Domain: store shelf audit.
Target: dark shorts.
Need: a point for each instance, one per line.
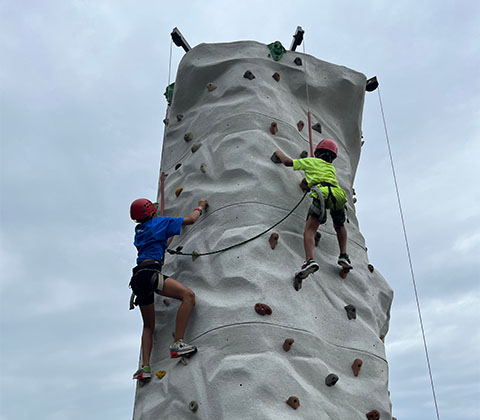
(147, 279)
(317, 209)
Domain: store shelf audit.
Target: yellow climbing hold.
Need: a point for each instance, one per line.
(178, 191)
(160, 374)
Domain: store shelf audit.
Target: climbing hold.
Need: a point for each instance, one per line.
(318, 235)
(273, 128)
(178, 191)
(351, 312)
(300, 125)
(373, 415)
(354, 192)
(293, 402)
(169, 93)
(273, 240)
(179, 117)
(357, 364)
(203, 168)
(298, 61)
(382, 337)
(195, 255)
(184, 361)
(287, 344)
(362, 143)
(165, 121)
(178, 248)
(193, 405)
(188, 137)
(276, 76)
(317, 127)
(195, 147)
(211, 86)
(372, 84)
(262, 309)
(177, 166)
(304, 185)
(166, 302)
(354, 200)
(160, 374)
(331, 379)
(249, 75)
(304, 154)
(370, 268)
(277, 50)
(275, 159)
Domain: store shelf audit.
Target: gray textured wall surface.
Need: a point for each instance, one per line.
(241, 370)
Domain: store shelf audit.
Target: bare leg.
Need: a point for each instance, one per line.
(342, 238)
(148, 316)
(174, 289)
(311, 227)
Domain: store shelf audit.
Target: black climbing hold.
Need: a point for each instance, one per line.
(179, 117)
(304, 154)
(372, 84)
(354, 200)
(188, 137)
(298, 61)
(276, 76)
(318, 235)
(177, 166)
(178, 248)
(371, 268)
(331, 379)
(351, 312)
(193, 405)
(317, 127)
(249, 75)
(165, 121)
(275, 159)
(166, 302)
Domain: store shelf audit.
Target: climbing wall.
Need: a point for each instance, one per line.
(219, 140)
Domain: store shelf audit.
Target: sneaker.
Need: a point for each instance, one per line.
(142, 374)
(308, 268)
(180, 348)
(344, 261)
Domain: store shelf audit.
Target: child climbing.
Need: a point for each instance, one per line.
(321, 178)
(152, 235)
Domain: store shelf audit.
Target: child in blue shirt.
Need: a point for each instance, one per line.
(152, 236)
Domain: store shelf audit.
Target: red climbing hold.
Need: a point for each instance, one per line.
(287, 344)
(273, 128)
(293, 402)
(357, 364)
(262, 309)
(273, 240)
(373, 415)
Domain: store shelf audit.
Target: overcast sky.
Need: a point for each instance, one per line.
(81, 113)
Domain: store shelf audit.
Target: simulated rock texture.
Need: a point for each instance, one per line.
(241, 370)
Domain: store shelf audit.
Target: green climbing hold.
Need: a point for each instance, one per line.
(169, 93)
(277, 50)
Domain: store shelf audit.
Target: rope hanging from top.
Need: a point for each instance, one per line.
(309, 115)
(409, 255)
(198, 254)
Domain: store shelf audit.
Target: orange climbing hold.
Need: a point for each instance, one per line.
(160, 374)
(273, 240)
(178, 191)
(293, 402)
(273, 128)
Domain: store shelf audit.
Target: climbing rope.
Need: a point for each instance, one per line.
(309, 115)
(409, 256)
(198, 254)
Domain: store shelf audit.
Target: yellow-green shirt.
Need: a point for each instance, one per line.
(317, 171)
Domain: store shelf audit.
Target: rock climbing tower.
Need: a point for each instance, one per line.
(266, 351)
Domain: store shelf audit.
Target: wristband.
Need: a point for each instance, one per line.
(198, 209)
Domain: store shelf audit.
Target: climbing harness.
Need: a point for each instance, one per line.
(198, 254)
(408, 253)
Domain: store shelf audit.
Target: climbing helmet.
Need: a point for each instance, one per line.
(141, 208)
(327, 144)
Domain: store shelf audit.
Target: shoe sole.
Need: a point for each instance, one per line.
(305, 273)
(345, 265)
(185, 353)
(142, 378)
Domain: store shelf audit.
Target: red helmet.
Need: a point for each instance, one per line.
(327, 144)
(141, 209)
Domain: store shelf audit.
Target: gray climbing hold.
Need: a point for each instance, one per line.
(298, 61)
(179, 117)
(304, 154)
(211, 86)
(249, 75)
(203, 168)
(317, 127)
(275, 159)
(276, 76)
(351, 312)
(166, 302)
(195, 147)
(371, 268)
(177, 166)
(188, 137)
(331, 379)
(195, 255)
(193, 406)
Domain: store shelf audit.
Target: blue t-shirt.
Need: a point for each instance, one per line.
(151, 237)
